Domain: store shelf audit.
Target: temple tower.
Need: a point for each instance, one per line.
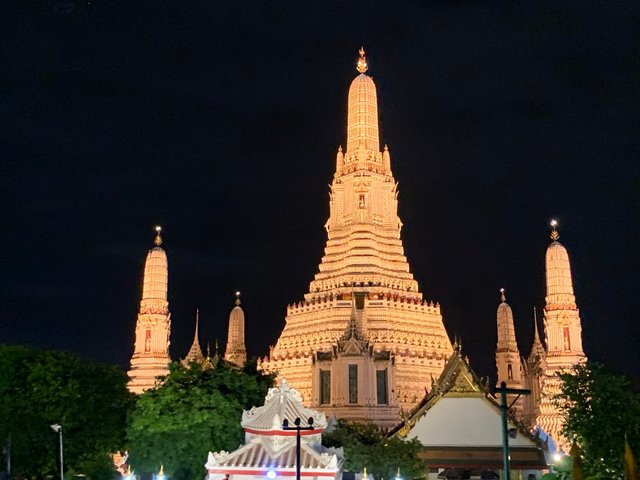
(151, 352)
(507, 353)
(236, 352)
(364, 259)
(563, 335)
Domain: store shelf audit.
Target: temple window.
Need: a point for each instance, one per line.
(147, 341)
(382, 387)
(325, 387)
(353, 383)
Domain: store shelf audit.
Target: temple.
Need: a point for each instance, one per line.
(150, 358)
(363, 342)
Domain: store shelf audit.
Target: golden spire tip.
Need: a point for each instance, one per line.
(238, 297)
(158, 240)
(502, 295)
(362, 61)
(554, 230)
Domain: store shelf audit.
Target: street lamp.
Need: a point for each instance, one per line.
(503, 391)
(297, 428)
(56, 427)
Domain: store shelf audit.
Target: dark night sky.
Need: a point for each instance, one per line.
(220, 121)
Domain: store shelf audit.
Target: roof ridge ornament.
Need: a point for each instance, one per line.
(554, 231)
(158, 239)
(362, 61)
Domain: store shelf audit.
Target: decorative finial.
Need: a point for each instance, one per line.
(362, 61)
(502, 296)
(238, 297)
(554, 232)
(158, 240)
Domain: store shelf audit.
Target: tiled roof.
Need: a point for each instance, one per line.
(282, 402)
(259, 454)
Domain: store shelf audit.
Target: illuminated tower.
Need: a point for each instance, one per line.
(563, 335)
(363, 258)
(151, 352)
(195, 352)
(236, 352)
(507, 353)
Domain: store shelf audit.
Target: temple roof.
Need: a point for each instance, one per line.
(281, 402)
(459, 411)
(262, 456)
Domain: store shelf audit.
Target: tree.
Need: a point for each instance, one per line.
(39, 388)
(193, 411)
(601, 410)
(366, 445)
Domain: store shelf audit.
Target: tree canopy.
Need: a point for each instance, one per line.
(601, 410)
(193, 411)
(366, 445)
(89, 400)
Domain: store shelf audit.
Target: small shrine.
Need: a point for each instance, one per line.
(270, 449)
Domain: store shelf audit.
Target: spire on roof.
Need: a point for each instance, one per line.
(554, 231)
(503, 299)
(537, 349)
(158, 239)
(362, 61)
(195, 352)
(238, 297)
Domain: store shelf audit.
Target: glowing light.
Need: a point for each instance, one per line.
(554, 222)
(556, 457)
(158, 228)
(271, 474)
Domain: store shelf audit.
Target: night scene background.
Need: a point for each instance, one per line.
(220, 121)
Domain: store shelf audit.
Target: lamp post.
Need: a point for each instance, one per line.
(56, 427)
(297, 428)
(503, 390)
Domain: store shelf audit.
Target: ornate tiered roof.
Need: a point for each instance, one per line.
(269, 447)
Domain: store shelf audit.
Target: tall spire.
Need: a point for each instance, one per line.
(508, 361)
(563, 335)
(364, 257)
(362, 117)
(195, 352)
(537, 349)
(236, 351)
(507, 354)
(151, 352)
